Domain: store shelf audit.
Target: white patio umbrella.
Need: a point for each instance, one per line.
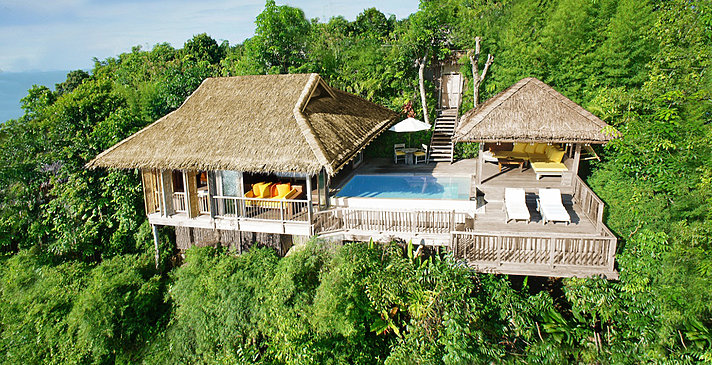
(409, 125)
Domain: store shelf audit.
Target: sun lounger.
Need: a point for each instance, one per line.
(551, 206)
(548, 169)
(515, 205)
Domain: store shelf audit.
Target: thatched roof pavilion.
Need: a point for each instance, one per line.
(260, 124)
(531, 111)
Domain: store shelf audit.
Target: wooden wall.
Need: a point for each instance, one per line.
(237, 241)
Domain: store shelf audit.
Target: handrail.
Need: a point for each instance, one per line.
(387, 220)
(237, 207)
(590, 203)
(534, 249)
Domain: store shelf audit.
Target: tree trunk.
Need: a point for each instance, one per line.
(476, 78)
(421, 84)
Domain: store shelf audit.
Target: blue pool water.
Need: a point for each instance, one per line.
(407, 187)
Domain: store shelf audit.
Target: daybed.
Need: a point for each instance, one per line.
(544, 159)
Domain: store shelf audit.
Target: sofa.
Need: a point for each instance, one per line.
(544, 159)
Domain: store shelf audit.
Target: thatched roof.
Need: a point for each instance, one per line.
(531, 111)
(264, 123)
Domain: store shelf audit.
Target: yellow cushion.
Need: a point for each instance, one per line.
(550, 150)
(540, 148)
(256, 188)
(419, 153)
(511, 154)
(400, 153)
(519, 147)
(556, 156)
(530, 148)
(283, 189)
(548, 167)
(263, 190)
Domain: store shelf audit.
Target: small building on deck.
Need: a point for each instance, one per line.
(531, 137)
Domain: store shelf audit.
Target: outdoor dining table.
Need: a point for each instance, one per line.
(409, 155)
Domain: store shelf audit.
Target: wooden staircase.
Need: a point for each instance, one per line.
(441, 146)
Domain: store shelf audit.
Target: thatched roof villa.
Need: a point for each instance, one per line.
(249, 159)
(260, 124)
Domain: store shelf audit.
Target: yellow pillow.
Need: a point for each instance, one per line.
(540, 148)
(283, 189)
(550, 150)
(263, 190)
(519, 147)
(256, 188)
(556, 156)
(530, 148)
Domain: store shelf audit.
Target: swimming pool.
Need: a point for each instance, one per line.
(407, 187)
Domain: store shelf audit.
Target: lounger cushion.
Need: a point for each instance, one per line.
(551, 207)
(531, 148)
(515, 203)
(548, 167)
(540, 149)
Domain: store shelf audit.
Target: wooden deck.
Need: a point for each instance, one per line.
(485, 240)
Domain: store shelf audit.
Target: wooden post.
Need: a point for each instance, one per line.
(611, 253)
(166, 185)
(310, 208)
(148, 179)
(577, 158)
(239, 205)
(155, 242)
(599, 217)
(480, 162)
(212, 191)
(552, 241)
(191, 193)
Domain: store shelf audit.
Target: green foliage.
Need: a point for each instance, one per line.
(218, 305)
(75, 313)
(77, 286)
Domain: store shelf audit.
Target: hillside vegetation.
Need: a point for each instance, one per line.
(77, 277)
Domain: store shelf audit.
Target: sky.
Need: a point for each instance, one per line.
(66, 34)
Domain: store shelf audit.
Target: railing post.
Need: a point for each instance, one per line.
(611, 253)
(452, 220)
(498, 249)
(552, 241)
(212, 191)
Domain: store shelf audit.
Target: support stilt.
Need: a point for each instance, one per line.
(155, 242)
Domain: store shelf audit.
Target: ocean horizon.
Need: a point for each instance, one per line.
(14, 86)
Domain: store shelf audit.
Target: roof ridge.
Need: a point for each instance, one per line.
(497, 100)
(305, 126)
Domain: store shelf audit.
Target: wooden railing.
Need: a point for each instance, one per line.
(534, 249)
(203, 204)
(179, 202)
(590, 203)
(387, 221)
(263, 209)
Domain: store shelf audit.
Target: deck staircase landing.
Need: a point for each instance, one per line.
(441, 146)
